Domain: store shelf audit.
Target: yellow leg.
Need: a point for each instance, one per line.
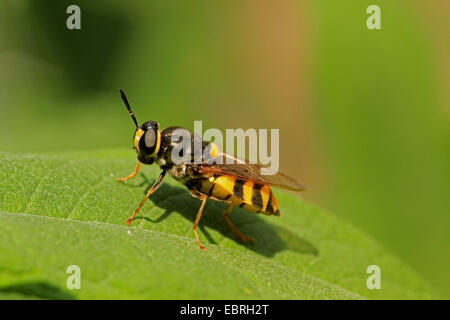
(197, 219)
(150, 191)
(235, 230)
(136, 170)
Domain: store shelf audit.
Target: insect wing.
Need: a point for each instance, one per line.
(253, 172)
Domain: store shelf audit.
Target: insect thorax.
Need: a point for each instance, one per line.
(181, 171)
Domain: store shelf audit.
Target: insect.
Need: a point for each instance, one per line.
(236, 184)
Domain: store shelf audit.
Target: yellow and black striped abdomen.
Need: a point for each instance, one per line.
(252, 197)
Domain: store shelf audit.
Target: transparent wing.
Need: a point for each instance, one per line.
(253, 172)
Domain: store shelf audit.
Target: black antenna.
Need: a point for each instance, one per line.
(125, 100)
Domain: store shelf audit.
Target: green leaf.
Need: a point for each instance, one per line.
(68, 209)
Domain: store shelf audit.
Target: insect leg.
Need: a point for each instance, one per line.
(235, 230)
(136, 170)
(197, 219)
(150, 191)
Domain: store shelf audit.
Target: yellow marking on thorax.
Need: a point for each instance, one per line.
(214, 150)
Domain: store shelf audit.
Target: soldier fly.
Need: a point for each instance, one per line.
(236, 184)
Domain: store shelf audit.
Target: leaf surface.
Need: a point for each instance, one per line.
(68, 209)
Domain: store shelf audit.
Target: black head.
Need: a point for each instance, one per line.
(147, 137)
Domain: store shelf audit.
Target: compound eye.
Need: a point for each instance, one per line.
(150, 139)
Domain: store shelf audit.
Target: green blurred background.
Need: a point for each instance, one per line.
(363, 114)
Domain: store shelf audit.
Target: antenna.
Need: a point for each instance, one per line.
(125, 100)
